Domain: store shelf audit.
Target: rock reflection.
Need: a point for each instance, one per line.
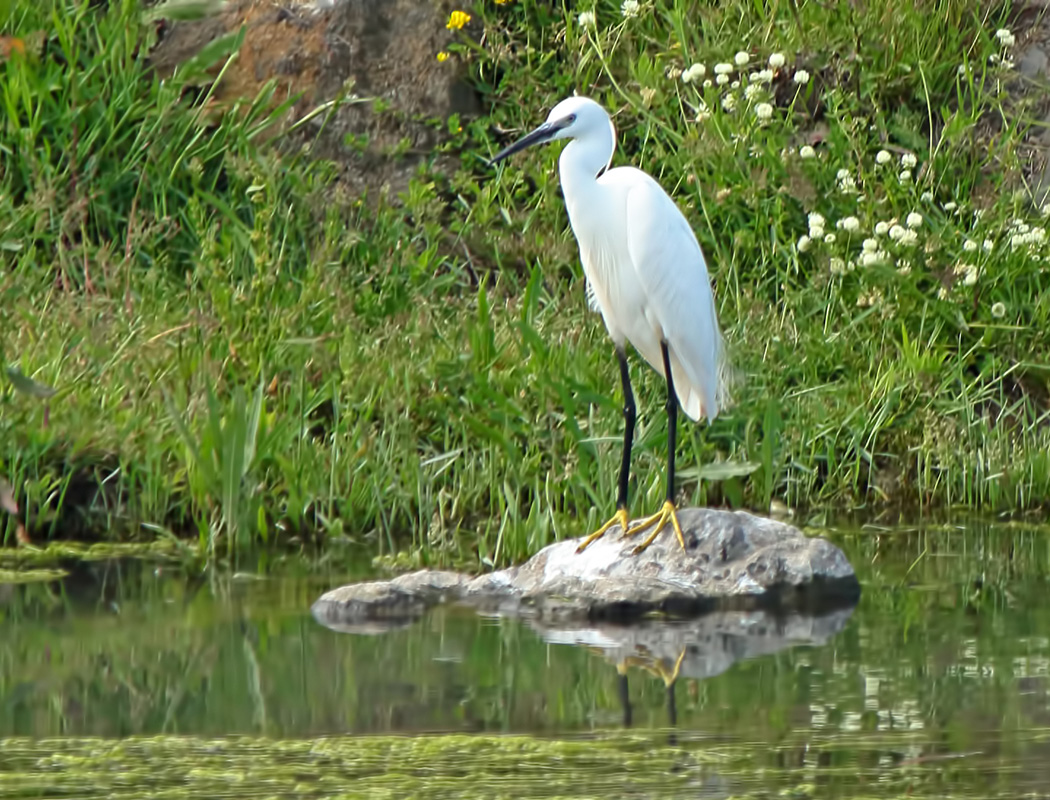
(698, 648)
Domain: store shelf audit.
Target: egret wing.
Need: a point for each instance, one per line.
(672, 271)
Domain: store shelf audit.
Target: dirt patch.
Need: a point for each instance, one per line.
(1030, 94)
(384, 53)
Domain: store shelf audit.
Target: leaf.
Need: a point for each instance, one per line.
(184, 10)
(27, 385)
(7, 497)
(721, 470)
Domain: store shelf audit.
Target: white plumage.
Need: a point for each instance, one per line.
(645, 273)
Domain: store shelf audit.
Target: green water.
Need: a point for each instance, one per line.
(131, 681)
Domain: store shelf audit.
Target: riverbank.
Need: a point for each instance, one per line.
(222, 344)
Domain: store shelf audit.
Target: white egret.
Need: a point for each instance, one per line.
(647, 276)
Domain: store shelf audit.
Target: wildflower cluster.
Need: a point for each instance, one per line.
(457, 20)
(735, 84)
(952, 262)
(1006, 41)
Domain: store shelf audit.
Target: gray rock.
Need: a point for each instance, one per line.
(381, 606)
(1033, 62)
(733, 560)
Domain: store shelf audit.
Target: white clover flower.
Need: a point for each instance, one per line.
(815, 220)
(961, 70)
(869, 258)
(1045, 210)
(969, 245)
(837, 266)
(762, 76)
(998, 309)
(903, 267)
(807, 152)
(723, 68)
(846, 182)
(829, 238)
(872, 298)
(1005, 37)
(702, 112)
(777, 60)
(969, 273)
(801, 77)
(909, 161)
(630, 8)
(882, 228)
(926, 197)
(586, 19)
(942, 293)
(913, 220)
(734, 85)
(673, 73)
(721, 79)
(804, 243)
(951, 205)
(741, 59)
(905, 176)
(729, 102)
(909, 238)
(1008, 63)
(870, 245)
(695, 73)
(848, 224)
(763, 111)
(897, 232)
(883, 157)
(708, 84)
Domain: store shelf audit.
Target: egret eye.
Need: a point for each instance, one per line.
(571, 118)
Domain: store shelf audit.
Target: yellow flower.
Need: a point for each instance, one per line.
(502, 2)
(457, 19)
(443, 56)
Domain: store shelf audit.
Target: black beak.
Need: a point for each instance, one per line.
(538, 136)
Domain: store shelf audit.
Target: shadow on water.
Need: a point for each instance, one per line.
(936, 685)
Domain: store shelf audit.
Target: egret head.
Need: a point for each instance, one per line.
(572, 118)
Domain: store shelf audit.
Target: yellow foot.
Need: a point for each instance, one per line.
(654, 666)
(670, 678)
(619, 518)
(661, 518)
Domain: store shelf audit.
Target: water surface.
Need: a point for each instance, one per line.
(935, 685)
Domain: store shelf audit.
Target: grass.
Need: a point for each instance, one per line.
(205, 336)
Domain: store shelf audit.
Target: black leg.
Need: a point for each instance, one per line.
(672, 707)
(621, 517)
(667, 513)
(629, 415)
(625, 701)
(672, 422)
